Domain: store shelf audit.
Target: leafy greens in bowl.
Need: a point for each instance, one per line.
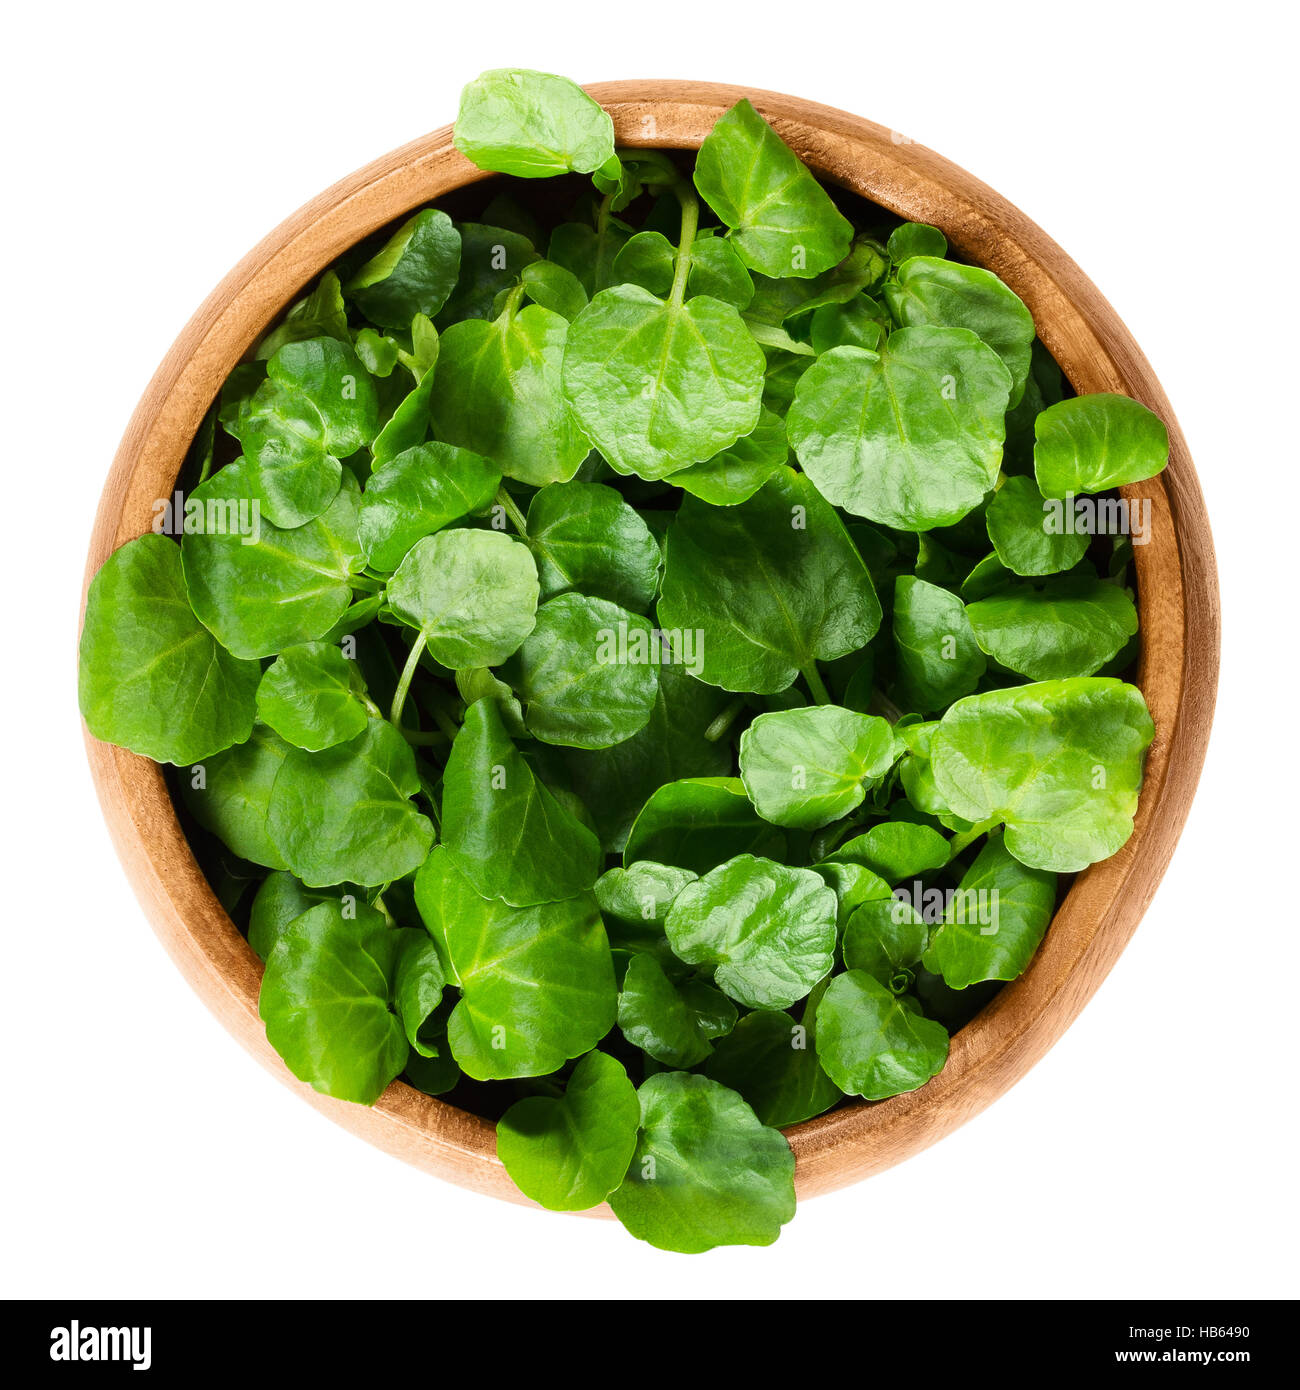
(660, 680)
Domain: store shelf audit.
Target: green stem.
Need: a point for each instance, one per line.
(724, 721)
(882, 705)
(444, 721)
(507, 505)
(367, 584)
(404, 681)
(513, 300)
(690, 223)
(815, 683)
(420, 739)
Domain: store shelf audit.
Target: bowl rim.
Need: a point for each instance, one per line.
(1177, 599)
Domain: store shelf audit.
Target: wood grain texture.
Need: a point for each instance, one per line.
(1177, 597)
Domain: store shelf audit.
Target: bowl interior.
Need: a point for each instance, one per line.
(1175, 581)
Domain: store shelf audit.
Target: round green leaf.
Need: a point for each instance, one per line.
(537, 983)
(1019, 527)
(994, 922)
(289, 468)
(939, 660)
(657, 385)
(738, 472)
(325, 1002)
(705, 1171)
(472, 594)
(931, 292)
(311, 696)
(1091, 443)
(773, 584)
(674, 1025)
(885, 938)
(258, 596)
(504, 829)
(782, 221)
(698, 823)
(329, 374)
(916, 239)
(413, 273)
(532, 125)
(910, 436)
(586, 674)
(767, 929)
(498, 393)
(874, 1043)
(1069, 625)
(571, 1153)
(804, 768)
(151, 676)
(584, 536)
(418, 492)
(345, 814)
(896, 850)
(1059, 762)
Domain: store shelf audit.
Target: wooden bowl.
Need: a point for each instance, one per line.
(1177, 598)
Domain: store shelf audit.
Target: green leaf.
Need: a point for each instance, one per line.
(858, 322)
(498, 393)
(258, 596)
(586, 673)
(782, 221)
(329, 375)
(771, 1061)
(804, 768)
(555, 288)
(289, 468)
(472, 595)
(230, 794)
(408, 424)
(705, 1171)
(698, 823)
(885, 938)
(896, 850)
(414, 272)
(532, 125)
(768, 930)
(1091, 443)
(910, 436)
(345, 814)
(657, 385)
(311, 695)
(584, 536)
(280, 900)
(738, 472)
(638, 897)
(1070, 625)
(874, 1043)
(320, 314)
(929, 292)
(588, 253)
(774, 584)
(571, 1153)
(151, 676)
(417, 990)
(648, 259)
(673, 1024)
(938, 659)
(325, 1002)
(504, 830)
(1018, 524)
(419, 492)
(853, 884)
(1059, 762)
(537, 983)
(916, 239)
(994, 922)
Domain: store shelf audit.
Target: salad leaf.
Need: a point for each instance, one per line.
(536, 983)
(413, 273)
(532, 125)
(571, 1152)
(875, 1043)
(771, 1062)
(311, 695)
(767, 930)
(152, 677)
(1091, 443)
(705, 1171)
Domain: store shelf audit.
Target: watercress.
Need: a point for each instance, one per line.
(625, 668)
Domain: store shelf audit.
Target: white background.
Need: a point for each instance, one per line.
(1152, 1153)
